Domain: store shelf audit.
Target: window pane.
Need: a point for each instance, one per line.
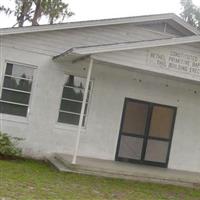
(161, 122)
(69, 118)
(73, 93)
(18, 84)
(19, 71)
(156, 151)
(13, 109)
(75, 82)
(71, 106)
(135, 118)
(130, 147)
(17, 97)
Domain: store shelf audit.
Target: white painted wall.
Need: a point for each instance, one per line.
(44, 135)
(111, 85)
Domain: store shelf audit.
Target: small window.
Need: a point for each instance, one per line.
(16, 90)
(72, 98)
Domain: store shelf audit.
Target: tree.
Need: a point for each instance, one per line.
(22, 11)
(190, 13)
(56, 9)
(33, 10)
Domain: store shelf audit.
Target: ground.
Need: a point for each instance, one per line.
(33, 180)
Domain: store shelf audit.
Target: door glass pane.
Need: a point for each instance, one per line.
(130, 147)
(161, 122)
(156, 151)
(135, 118)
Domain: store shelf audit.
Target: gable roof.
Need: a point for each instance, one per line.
(170, 18)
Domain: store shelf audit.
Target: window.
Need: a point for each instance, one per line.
(16, 90)
(72, 98)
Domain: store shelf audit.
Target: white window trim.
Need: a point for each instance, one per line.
(10, 76)
(21, 64)
(2, 76)
(17, 118)
(67, 86)
(66, 126)
(69, 112)
(73, 100)
(14, 90)
(14, 103)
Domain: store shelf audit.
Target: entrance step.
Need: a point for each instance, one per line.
(113, 169)
(57, 164)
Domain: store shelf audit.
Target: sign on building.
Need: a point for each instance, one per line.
(175, 60)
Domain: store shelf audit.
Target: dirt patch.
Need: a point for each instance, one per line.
(8, 157)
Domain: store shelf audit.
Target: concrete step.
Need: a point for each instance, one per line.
(57, 164)
(114, 169)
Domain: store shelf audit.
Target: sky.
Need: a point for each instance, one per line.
(101, 9)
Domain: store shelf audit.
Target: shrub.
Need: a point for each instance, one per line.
(8, 145)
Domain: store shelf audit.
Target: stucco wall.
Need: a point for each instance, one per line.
(44, 135)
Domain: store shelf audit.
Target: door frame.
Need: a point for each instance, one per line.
(146, 134)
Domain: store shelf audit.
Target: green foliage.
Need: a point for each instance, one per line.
(190, 13)
(8, 145)
(56, 9)
(32, 11)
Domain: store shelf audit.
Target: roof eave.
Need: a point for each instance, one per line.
(104, 22)
(90, 50)
(185, 25)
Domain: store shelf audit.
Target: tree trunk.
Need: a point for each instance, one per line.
(51, 21)
(37, 13)
(21, 18)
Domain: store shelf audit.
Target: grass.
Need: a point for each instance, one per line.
(32, 180)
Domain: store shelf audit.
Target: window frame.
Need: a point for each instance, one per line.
(67, 125)
(12, 117)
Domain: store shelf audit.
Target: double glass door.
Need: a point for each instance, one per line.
(146, 133)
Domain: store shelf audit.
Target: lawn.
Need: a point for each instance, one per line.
(28, 180)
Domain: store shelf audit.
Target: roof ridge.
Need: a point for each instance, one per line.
(100, 22)
(92, 20)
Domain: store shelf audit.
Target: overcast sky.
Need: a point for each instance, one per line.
(100, 9)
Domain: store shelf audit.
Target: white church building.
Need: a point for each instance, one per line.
(125, 89)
